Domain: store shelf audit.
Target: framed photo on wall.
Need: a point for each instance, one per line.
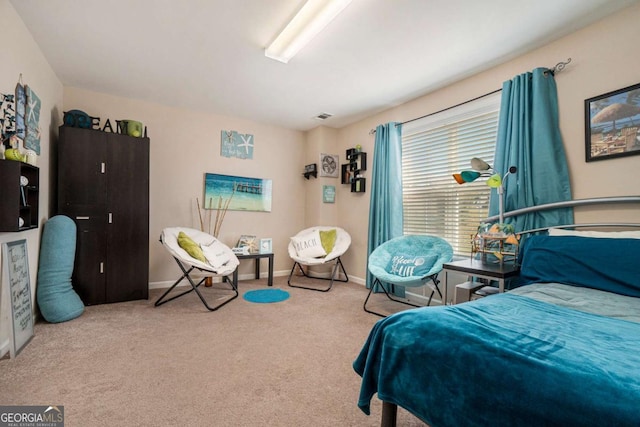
(612, 124)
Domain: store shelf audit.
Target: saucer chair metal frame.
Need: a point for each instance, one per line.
(188, 264)
(343, 241)
(410, 246)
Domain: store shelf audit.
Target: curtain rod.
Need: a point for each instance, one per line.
(556, 69)
(372, 131)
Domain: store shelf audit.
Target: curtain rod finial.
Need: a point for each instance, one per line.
(559, 66)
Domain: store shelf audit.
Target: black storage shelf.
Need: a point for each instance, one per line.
(352, 171)
(18, 201)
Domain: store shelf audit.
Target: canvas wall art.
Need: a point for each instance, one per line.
(247, 194)
(32, 120)
(7, 115)
(21, 108)
(328, 193)
(234, 144)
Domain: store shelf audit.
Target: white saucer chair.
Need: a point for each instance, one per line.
(220, 261)
(306, 249)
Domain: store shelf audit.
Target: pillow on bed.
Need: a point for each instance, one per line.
(405, 266)
(589, 233)
(309, 245)
(190, 246)
(605, 264)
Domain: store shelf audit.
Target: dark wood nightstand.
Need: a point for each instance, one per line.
(483, 269)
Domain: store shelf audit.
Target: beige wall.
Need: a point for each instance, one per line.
(184, 146)
(20, 55)
(321, 140)
(604, 58)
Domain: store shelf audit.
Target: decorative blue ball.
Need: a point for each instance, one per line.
(77, 119)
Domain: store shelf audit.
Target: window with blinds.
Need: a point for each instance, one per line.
(434, 148)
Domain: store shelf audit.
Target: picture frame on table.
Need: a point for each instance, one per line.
(266, 246)
(612, 124)
(249, 243)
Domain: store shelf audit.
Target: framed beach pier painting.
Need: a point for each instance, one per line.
(237, 193)
(613, 124)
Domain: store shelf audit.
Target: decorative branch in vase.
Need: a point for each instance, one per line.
(221, 212)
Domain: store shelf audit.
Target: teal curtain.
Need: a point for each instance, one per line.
(529, 139)
(385, 206)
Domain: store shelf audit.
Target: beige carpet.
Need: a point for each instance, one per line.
(133, 364)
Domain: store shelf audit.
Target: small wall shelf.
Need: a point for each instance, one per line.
(352, 171)
(311, 170)
(19, 201)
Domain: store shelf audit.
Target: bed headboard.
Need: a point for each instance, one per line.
(575, 203)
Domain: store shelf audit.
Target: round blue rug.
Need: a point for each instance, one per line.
(265, 296)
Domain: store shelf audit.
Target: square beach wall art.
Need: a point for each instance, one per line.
(234, 144)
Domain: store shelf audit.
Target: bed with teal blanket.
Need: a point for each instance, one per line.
(562, 350)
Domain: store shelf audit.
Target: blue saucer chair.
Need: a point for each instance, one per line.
(409, 261)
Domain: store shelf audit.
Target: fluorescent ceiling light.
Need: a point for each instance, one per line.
(309, 21)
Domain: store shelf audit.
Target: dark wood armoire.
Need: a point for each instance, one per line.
(103, 185)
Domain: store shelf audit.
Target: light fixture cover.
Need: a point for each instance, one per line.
(479, 164)
(469, 176)
(312, 18)
(494, 181)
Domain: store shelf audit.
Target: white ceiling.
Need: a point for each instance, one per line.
(208, 54)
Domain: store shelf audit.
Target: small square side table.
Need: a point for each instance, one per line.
(257, 257)
(478, 268)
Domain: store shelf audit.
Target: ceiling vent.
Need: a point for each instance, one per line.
(323, 116)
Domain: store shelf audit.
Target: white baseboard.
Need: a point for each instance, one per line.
(358, 280)
(248, 276)
(4, 349)
(409, 296)
(418, 299)
(421, 299)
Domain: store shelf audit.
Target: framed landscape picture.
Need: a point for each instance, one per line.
(246, 194)
(612, 124)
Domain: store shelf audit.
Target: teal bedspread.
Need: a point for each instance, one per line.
(506, 360)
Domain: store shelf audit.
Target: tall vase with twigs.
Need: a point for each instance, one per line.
(221, 212)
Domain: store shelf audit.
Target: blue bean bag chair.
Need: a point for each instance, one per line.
(56, 298)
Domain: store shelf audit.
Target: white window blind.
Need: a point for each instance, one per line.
(434, 148)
